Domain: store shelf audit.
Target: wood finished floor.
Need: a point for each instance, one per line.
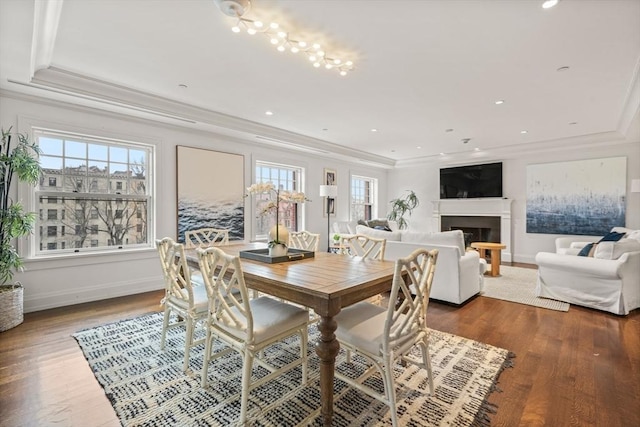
(580, 368)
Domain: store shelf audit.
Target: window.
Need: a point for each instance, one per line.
(84, 176)
(363, 197)
(283, 177)
(52, 231)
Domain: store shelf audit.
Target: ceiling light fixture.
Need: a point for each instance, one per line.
(269, 113)
(282, 39)
(548, 4)
(499, 102)
(523, 132)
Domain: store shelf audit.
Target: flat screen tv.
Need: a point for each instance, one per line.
(471, 181)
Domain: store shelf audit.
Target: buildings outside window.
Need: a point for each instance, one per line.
(364, 194)
(283, 177)
(69, 162)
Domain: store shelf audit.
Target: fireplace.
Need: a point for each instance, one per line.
(482, 220)
(475, 228)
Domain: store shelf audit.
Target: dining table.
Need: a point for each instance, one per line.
(325, 282)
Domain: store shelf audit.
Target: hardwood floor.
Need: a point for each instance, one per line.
(580, 368)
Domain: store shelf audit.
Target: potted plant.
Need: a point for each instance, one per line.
(278, 235)
(401, 206)
(20, 162)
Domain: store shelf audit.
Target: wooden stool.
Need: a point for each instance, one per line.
(495, 250)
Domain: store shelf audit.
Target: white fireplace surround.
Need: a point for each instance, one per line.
(478, 207)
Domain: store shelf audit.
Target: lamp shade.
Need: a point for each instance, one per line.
(635, 185)
(328, 191)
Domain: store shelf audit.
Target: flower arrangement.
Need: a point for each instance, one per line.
(273, 204)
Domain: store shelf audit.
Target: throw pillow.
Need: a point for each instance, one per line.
(375, 223)
(614, 250)
(588, 250)
(612, 236)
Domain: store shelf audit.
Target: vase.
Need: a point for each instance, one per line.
(283, 234)
(277, 250)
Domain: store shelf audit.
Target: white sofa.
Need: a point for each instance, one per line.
(609, 280)
(459, 273)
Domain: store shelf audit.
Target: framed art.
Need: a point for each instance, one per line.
(583, 197)
(210, 187)
(330, 178)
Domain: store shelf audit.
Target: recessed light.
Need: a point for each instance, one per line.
(418, 147)
(548, 4)
(325, 129)
(563, 68)
(465, 140)
(393, 151)
(269, 113)
(573, 123)
(442, 154)
(500, 102)
(183, 86)
(448, 130)
(476, 149)
(374, 130)
(523, 132)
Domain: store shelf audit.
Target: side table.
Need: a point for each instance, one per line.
(496, 252)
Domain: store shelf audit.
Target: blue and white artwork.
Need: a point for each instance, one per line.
(210, 191)
(583, 197)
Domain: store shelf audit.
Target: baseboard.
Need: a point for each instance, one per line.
(45, 301)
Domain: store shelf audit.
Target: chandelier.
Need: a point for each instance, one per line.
(282, 39)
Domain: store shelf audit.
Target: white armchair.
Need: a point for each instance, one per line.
(609, 280)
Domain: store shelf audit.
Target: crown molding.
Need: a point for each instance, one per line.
(101, 94)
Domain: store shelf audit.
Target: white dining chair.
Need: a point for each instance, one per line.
(246, 325)
(366, 247)
(205, 237)
(304, 240)
(385, 336)
(187, 302)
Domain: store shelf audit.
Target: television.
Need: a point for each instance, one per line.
(472, 181)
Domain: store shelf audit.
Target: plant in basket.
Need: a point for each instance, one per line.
(19, 161)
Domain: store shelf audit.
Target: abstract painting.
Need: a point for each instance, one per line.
(210, 191)
(582, 197)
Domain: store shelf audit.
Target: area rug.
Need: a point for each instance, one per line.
(518, 285)
(147, 387)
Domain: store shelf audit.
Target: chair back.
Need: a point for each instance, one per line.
(412, 281)
(364, 246)
(227, 291)
(177, 278)
(304, 240)
(205, 237)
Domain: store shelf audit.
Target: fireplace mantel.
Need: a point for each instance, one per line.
(478, 207)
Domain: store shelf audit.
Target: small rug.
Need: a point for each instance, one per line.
(147, 387)
(518, 285)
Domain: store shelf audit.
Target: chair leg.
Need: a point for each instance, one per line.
(425, 349)
(187, 343)
(205, 359)
(303, 354)
(348, 356)
(390, 389)
(247, 364)
(165, 326)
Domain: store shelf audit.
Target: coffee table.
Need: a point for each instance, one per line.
(495, 250)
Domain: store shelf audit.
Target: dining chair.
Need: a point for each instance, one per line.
(188, 302)
(246, 325)
(205, 237)
(385, 336)
(304, 240)
(366, 247)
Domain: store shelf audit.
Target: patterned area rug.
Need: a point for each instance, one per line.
(518, 285)
(147, 387)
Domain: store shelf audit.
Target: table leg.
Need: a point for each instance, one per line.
(327, 348)
(495, 262)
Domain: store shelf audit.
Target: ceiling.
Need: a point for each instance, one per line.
(427, 73)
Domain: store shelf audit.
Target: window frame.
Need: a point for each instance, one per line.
(35, 244)
(372, 196)
(299, 207)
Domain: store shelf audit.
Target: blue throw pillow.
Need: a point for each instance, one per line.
(612, 237)
(585, 250)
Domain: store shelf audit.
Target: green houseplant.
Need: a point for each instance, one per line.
(20, 162)
(402, 206)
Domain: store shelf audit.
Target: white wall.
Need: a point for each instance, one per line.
(80, 278)
(424, 180)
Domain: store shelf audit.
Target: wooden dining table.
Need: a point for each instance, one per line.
(326, 283)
